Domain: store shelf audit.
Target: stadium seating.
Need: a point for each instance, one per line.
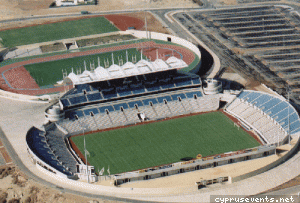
(132, 104)
(93, 110)
(57, 144)
(78, 100)
(271, 116)
(124, 112)
(38, 143)
(130, 86)
(94, 97)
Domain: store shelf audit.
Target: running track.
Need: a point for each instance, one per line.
(22, 83)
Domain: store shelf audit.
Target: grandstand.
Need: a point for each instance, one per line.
(273, 118)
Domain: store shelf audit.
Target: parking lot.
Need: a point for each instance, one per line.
(258, 41)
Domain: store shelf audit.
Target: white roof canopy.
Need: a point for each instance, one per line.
(128, 69)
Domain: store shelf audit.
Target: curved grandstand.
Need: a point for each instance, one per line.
(273, 118)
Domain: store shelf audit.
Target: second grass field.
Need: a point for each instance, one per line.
(164, 142)
(56, 31)
(48, 73)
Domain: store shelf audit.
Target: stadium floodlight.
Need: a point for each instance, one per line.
(289, 136)
(85, 156)
(112, 58)
(141, 53)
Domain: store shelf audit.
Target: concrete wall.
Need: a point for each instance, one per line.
(25, 98)
(196, 165)
(270, 166)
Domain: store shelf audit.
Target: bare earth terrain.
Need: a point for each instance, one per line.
(24, 8)
(15, 187)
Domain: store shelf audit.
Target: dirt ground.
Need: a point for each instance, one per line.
(24, 8)
(15, 187)
(152, 23)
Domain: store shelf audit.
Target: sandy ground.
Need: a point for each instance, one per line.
(22, 8)
(16, 186)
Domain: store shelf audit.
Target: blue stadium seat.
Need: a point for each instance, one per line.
(167, 85)
(293, 117)
(103, 108)
(109, 94)
(152, 87)
(243, 94)
(37, 144)
(78, 100)
(94, 87)
(65, 102)
(137, 89)
(182, 81)
(79, 113)
(196, 81)
(147, 101)
(94, 97)
(175, 96)
(132, 104)
(118, 106)
(270, 104)
(82, 87)
(161, 99)
(124, 92)
(87, 111)
(191, 94)
(276, 109)
(70, 115)
(252, 96)
(294, 126)
(261, 100)
(281, 115)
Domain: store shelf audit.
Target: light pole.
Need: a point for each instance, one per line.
(289, 136)
(85, 156)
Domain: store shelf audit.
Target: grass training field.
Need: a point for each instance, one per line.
(55, 31)
(164, 142)
(48, 73)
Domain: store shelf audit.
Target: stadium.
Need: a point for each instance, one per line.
(135, 109)
(110, 114)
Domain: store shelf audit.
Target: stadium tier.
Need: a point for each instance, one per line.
(151, 83)
(52, 151)
(273, 117)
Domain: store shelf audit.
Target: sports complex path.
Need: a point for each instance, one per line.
(25, 83)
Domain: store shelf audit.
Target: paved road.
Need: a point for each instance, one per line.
(205, 5)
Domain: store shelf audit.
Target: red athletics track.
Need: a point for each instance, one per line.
(22, 87)
(123, 22)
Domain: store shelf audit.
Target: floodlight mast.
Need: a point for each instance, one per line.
(86, 162)
(289, 136)
(146, 26)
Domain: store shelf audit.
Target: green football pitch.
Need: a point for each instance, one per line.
(48, 73)
(56, 31)
(164, 142)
